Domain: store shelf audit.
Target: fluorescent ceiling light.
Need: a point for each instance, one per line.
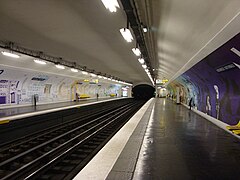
(144, 66)
(5, 53)
(100, 76)
(235, 51)
(74, 70)
(149, 75)
(104, 77)
(59, 66)
(127, 84)
(39, 61)
(93, 75)
(145, 29)
(136, 51)
(111, 5)
(141, 60)
(126, 33)
(84, 72)
(109, 79)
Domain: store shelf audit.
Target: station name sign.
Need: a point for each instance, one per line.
(227, 67)
(161, 81)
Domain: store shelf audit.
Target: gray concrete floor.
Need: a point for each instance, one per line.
(178, 144)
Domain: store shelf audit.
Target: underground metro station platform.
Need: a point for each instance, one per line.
(162, 140)
(119, 89)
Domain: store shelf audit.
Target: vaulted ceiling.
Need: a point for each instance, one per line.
(181, 33)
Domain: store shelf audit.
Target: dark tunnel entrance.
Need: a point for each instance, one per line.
(143, 91)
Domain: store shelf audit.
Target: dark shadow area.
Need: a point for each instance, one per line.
(143, 91)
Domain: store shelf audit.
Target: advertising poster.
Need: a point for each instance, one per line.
(215, 84)
(4, 92)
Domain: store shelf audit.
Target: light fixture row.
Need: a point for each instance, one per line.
(112, 6)
(141, 60)
(137, 52)
(59, 66)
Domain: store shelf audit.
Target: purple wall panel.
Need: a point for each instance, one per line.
(214, 83)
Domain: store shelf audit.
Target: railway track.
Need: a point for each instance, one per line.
(62, 151)
(75, 115)
(80, 115)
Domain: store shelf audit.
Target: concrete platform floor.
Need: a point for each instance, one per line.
(178, 144)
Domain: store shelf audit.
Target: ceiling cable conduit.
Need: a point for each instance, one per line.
(152, 44)
(132, 17)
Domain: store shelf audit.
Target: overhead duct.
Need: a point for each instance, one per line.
(133, 19)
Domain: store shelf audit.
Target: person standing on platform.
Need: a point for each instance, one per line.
(97, 96)
(77, 97)
(190, 103)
